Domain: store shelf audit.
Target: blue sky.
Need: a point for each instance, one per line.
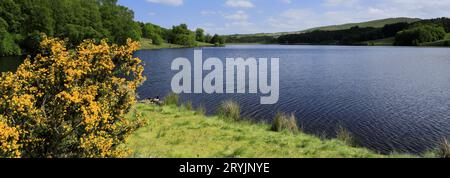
(254, 16)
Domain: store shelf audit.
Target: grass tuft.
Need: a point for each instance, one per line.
(229, 110)
(200, 110)
(444, 149)
(283, 122)
(345, 136)
(172, 99)
(188, 106)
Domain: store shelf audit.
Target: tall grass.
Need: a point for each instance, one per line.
(172, 99)
(283, 122)
(188, 106)
(444, 149)
(229, 110)
(200, 110)
(344, 135)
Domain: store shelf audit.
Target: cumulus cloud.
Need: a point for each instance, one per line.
(346, 3)
(298, 15)
(239, 3)
(238, 16)
(168, 2)
(293, 19)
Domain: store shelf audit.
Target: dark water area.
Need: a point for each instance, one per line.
(392, 99)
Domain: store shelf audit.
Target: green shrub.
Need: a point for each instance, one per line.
(156, 39)
(229, 110)
(283, 122)
(8, 46)
(344, 135)
(172, 99)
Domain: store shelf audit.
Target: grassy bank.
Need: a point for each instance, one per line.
(381, 42)
(147, 44)
(174, 132)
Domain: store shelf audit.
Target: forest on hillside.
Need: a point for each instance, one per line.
(23, 21)
(412, 32)
(405, 34)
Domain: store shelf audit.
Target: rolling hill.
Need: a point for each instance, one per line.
(264, 36)
(373, 23)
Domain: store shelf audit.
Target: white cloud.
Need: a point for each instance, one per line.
(238, 16)
(417, 8)
(344, 3)
(208, 12)
(239, 3)
(168, 2)
(331, 12)
(294, 19)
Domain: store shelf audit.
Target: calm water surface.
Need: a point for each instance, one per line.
(390, 98)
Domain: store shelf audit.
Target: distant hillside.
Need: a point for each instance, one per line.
(374, 23)
(430, 32)
(265, 37)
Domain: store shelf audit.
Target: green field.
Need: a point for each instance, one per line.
(381, 42)
(174, 132)
(146, 44)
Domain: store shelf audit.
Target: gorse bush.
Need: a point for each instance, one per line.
(229, 110)
(283, 122)
(70, 103)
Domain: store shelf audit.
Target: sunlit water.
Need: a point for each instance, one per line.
(393, 99)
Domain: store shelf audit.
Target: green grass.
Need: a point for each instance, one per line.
(284, 122)
(444, 149)
(447, 36)
(229, 110)
(172, 99)
(146, 44)
(344, 135)
(203, 44)
(381, 42)
(174, 132)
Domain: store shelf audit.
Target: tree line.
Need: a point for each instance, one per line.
(250, 39)
(405, 34)
(23, 21)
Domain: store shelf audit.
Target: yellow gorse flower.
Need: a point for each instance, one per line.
(70, 103)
